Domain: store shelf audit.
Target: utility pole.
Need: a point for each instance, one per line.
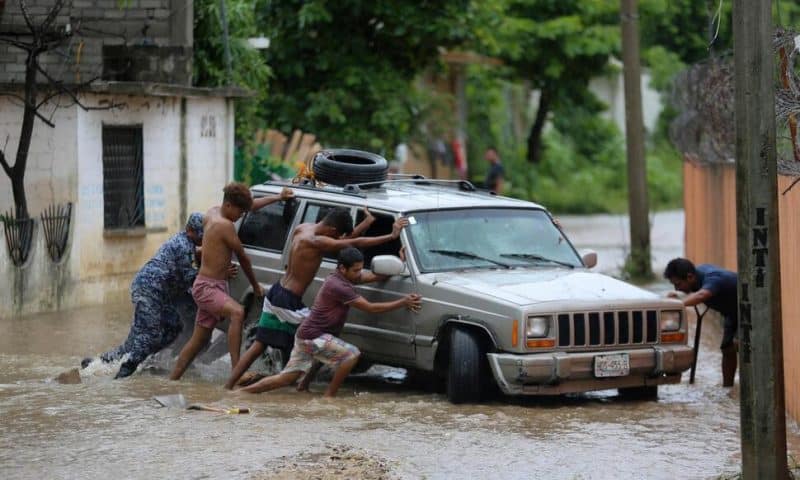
(763, 422)
(223, 14)
(638, 264)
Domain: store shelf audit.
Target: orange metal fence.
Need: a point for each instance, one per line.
(710, 206)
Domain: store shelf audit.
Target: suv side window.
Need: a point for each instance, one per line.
(268, 228)
(382, 226)
(314, 213)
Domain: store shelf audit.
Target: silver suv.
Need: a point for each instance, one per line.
(507, 300)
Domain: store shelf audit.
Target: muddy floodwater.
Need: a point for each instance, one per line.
(379, 427)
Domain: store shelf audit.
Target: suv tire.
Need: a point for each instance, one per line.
(467, 367)
(649, 392)
(342, 166)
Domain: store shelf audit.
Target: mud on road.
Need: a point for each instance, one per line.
(379, 427)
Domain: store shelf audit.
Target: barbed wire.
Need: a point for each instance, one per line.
(704, 129)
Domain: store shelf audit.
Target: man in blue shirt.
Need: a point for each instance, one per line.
(160, 295)
(494, 177)
(717, 288)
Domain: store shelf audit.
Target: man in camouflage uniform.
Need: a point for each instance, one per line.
(160, 295)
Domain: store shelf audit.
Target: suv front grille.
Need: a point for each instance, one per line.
(601, 329)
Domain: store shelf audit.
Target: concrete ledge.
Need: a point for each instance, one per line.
(132, 232)
(149, 89)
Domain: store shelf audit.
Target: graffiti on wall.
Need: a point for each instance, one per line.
(208, 126)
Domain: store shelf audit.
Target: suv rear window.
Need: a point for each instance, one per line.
(382, 226)
(268, 228)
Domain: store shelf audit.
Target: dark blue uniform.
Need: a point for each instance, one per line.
(723, 287)
(160, 295)
(495, 173)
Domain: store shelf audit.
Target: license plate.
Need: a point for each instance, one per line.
(613, 365)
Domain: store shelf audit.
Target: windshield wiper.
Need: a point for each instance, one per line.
(467, 255)
(535, 257)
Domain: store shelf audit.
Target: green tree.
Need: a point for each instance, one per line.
(345, 70)
(557, 46)
(249, 67)
(686, 27)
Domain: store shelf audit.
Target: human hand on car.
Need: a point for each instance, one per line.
(402, 253)
(368, 216)
(286, 193)
(413, 302)
(398, 226)
(233, 270)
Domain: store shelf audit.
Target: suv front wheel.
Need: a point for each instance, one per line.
(467, 369)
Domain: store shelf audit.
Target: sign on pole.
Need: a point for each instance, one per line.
(763, 423)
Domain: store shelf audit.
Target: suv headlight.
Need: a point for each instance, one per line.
(538, 327)
(670, 321)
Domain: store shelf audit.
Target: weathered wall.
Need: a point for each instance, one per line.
(51, 175)
(208, 154)
(710, 204)
(100, 22)
(98, 267)
(106, 264)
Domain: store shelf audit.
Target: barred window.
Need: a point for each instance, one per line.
(123, 177)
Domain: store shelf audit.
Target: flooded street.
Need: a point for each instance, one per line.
(377, 428)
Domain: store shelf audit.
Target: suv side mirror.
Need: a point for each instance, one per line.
(388, 265)
(589, 258)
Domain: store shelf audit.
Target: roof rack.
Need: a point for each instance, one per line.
(357, 189)
(414, 176)
(462, 185)
(307, 184)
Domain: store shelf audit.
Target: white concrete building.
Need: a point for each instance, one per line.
(133, 172)
(610, 89)
(169, 151)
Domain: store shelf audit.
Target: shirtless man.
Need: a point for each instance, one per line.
(210, 289)
(310, 241)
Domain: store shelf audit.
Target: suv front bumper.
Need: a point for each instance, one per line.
(555, 373)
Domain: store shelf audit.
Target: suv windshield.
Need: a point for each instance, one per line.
(488, 238)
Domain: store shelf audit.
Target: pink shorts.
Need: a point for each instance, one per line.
(210, 294)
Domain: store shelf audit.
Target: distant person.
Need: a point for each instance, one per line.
(210, 288)
(310, 242)
(159, 291)
(717, 288)
(494, 177)
(317, 339)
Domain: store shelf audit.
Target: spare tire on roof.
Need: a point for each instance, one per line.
(344, 166)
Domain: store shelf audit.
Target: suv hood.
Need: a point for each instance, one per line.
(552, 285)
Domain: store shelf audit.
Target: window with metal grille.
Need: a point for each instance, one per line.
(123, 177)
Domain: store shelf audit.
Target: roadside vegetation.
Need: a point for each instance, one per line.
(368, 74)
